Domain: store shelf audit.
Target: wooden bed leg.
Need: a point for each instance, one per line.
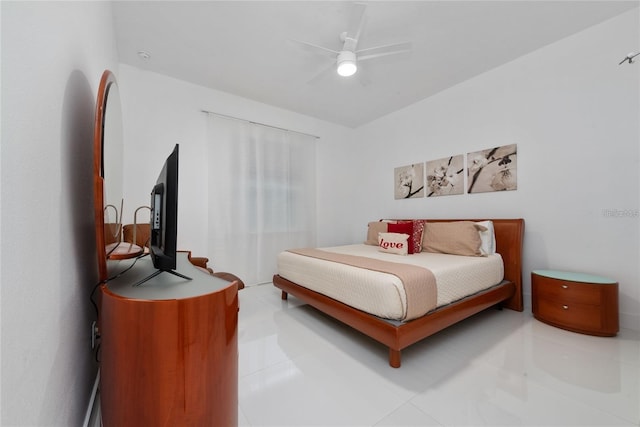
(284, 295)
(394, 358)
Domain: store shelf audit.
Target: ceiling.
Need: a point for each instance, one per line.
(248, 48)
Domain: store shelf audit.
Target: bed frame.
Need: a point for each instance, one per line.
(509, 235)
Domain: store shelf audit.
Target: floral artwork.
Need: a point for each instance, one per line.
(493, 169)
(409, 181)
(445, 176)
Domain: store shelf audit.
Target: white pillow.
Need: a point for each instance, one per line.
(394, 243)
(488, 237)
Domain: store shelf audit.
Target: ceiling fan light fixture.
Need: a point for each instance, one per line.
(347, 63)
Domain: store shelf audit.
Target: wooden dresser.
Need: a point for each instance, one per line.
(169, 348)
(577, 302)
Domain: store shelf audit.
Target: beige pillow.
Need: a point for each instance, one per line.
(374, 228)
(394, 243)
(456, 237)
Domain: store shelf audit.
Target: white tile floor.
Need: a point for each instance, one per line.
(298, 368)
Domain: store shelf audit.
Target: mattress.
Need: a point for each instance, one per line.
(382, 294)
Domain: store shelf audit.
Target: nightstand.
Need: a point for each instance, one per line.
(577, 302)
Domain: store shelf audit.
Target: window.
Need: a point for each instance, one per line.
(261, 196)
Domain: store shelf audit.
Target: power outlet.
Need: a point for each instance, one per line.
(95, 334)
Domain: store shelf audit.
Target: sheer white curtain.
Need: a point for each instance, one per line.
(261, 196)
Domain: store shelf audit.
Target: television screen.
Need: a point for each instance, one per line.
(164, 218)
(164, 215)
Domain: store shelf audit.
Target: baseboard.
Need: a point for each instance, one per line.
(630, 321)
(93, 417)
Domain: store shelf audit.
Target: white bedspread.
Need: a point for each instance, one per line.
(382, 294)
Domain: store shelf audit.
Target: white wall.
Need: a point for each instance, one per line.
(53, 55)
(160, 111)
(574, 114)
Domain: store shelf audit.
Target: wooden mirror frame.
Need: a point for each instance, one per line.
(107, 81)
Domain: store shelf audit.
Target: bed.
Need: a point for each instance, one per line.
(400, 327)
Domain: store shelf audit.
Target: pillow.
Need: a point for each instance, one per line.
(488, 238)
(456, 238)
(418, 231)
(404, 227)
(414, 228)
(394, 243)
(373, 229)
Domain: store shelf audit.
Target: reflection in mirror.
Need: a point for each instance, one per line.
(108, 176)
(112, 161)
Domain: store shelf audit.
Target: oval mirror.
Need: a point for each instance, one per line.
(108, 176)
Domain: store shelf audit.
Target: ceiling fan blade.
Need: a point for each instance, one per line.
(316, 49)
(380, 55)
(322, 74)
(356, 24)
(363, 77)
(393, 47)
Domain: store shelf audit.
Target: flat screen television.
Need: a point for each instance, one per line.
(164, 219)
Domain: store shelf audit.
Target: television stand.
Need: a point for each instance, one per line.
(169, 349)
(155, 273)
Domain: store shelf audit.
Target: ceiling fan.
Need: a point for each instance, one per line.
(347, 58)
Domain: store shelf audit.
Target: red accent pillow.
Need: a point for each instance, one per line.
(418, 231)
(404, 227)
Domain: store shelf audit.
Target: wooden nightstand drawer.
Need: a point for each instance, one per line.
(577, 302)
(583, 317)
(569, 291)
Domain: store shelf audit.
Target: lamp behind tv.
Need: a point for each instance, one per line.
(164, 219)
